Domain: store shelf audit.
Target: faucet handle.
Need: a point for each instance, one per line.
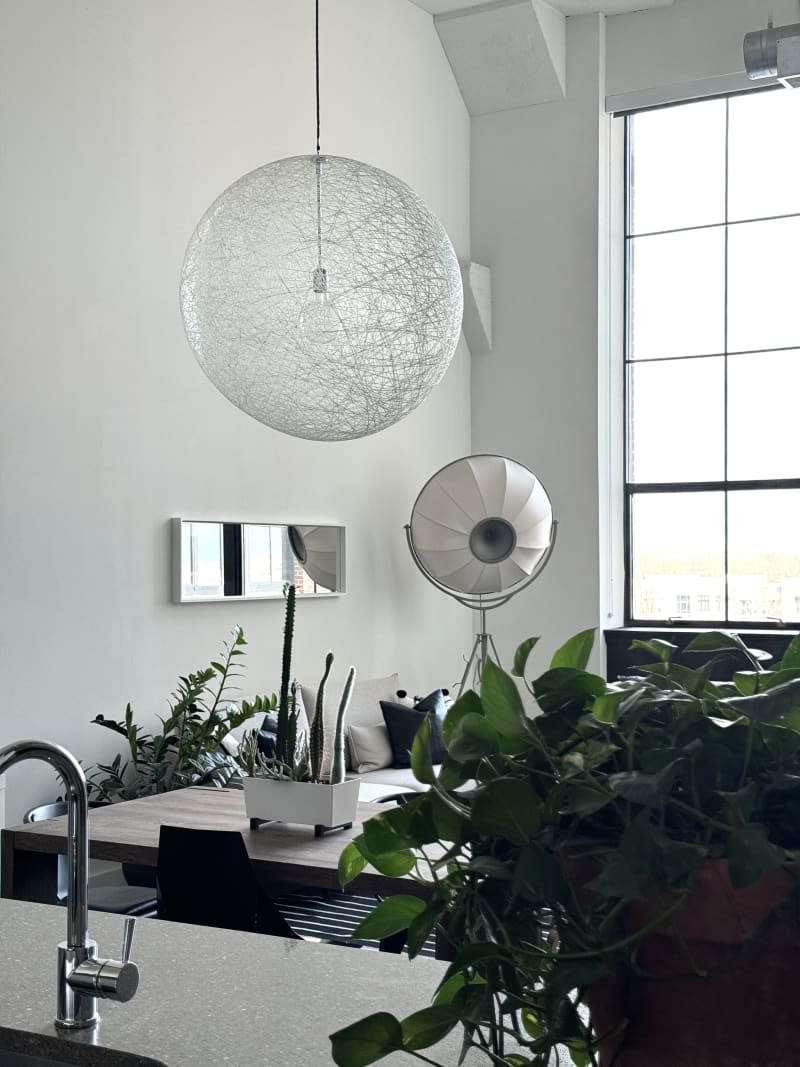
(127, 938)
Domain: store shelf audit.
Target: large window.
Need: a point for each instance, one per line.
(713, 361)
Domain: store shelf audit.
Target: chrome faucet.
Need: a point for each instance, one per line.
(82, 976)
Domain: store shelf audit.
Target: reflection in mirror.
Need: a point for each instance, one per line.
(232, 560)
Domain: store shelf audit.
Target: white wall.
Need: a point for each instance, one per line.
(535, 189)
(121, 120)
(689, 42)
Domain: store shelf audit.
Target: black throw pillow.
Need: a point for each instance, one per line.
(268, 735)
(403, 722)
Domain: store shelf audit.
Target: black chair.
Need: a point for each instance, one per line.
(120, 899)
(205, 877)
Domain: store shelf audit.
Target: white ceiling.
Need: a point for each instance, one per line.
(567, 7)
(512, 53)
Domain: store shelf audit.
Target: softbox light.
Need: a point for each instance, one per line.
(481, 530)
(316, 549)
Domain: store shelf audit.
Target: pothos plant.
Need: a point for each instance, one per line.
(186, 751)
(648, 777)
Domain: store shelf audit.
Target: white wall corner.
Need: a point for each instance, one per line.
(477, 323)
(553, 25)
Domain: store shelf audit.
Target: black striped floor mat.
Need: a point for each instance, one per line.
(325, 915)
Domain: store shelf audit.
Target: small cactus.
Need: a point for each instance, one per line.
(316, 741)
(337, 766)
(286, 738)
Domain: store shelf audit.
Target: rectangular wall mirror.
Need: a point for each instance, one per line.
(254, 560)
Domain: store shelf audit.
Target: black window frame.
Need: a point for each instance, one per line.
(724, 485)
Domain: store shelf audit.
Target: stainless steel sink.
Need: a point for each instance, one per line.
(20, 1048)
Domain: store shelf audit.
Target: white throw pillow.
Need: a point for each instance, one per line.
(370, 749)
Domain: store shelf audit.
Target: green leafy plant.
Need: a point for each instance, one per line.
(540, 833)
(187, 749)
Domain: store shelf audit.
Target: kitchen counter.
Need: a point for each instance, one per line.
(207, 997)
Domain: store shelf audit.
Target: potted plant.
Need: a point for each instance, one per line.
(619, 879)
(286, 783)
(187, 750)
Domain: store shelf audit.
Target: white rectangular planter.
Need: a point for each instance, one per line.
(302, 802)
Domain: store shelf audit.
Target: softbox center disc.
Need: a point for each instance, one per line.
(492, 540)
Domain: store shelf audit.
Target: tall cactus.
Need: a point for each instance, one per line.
(337, 766)
(286, 736)
(316, 740)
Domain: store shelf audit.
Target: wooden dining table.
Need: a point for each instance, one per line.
(128, 833)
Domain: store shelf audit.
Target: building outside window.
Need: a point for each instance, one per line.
(713, 360)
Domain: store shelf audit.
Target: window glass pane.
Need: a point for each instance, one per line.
(677, 294)
(764, 155)
(763, 554)
(763, 389)
(678, 167)
(763, 305)
(201, 556)
(267, 559)
(678, 556)
(677, 420)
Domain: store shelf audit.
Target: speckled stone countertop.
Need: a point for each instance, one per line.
(206, 997)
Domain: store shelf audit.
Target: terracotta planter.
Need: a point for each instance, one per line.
(744, 1013)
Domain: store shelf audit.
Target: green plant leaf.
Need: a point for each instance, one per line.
(578, 799)
(367, 1040)
(715, 641)
(428, 1026)
(574, 653)
(506, 807)
(521, 656)
(746, 682)
(770, 705)
(791, 657)
(605, 707)
(750, 854)
(537, 875)
(649, 790)
(490, 867)
(467, 704)
(421, 762)
(473, 738)
(390, 917)
(393, 864)
(662, 650)
(382, 834)
(502, 703)
(421, 927)
(616, 880)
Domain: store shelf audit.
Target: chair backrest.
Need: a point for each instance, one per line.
(46, 811)
(52, 811)
(205, 877)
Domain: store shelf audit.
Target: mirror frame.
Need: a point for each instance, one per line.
(177, 524)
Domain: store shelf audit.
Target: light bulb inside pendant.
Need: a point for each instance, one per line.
(320, 323)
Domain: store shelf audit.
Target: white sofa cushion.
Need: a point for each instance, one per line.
(370, 749)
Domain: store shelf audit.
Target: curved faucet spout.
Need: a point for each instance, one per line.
(74, 780)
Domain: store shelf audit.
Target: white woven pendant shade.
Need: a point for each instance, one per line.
(481, 525)
(327, 305)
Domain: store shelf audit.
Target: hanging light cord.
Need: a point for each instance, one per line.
(320, 282)
(316, 71)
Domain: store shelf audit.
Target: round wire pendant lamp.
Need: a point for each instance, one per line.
(327, 326)
(321, 296)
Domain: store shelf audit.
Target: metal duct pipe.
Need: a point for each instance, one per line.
(768, 53)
